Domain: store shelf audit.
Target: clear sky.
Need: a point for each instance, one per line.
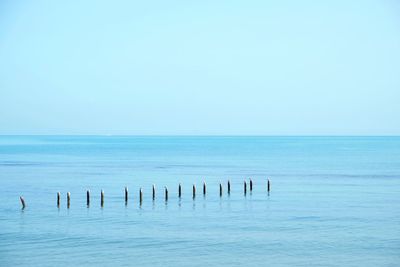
(200, 67)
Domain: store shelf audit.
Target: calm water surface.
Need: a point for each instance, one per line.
(335, 201)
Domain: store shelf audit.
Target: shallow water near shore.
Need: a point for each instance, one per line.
(334, 201)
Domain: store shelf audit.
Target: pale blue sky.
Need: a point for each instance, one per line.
(200, 67)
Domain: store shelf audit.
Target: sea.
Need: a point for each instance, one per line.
(333, 201)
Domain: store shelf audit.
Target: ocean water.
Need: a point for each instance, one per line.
(334, 201)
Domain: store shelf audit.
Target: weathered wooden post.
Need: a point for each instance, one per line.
(268, 186)
(154, 192)
(194, 191)
(229, 187)
(58, 199)
(126, 195)
(245, 187)
(22, 202)
(68, 199)
(220, 189)
(102, 198)
(166, 193)
(179, 191)
(140, 196)
(88, 198)
(251, 185)
(204, 188)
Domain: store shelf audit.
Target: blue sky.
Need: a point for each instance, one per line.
(200, 67)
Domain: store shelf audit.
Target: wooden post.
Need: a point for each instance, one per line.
(58, 199)
(68, 199)
(229, 187)
(220, 189)
(245, 187)
(204, 188)
(251, 185)
(126, 195)
(140, 196)
(88, 198)
(154, 191)
(180, 191)
(22, 202)
(102, 198)
(166, 193)
(194, 191)
(268, 186)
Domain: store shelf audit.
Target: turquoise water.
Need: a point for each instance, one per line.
(334, 201)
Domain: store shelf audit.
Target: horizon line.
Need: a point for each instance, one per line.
(211, 135)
